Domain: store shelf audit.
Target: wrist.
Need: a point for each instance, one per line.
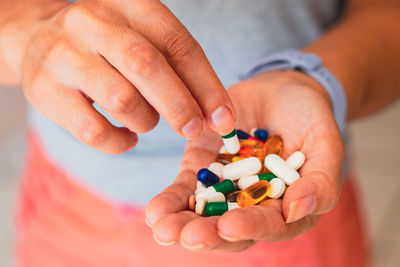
(17, 29)
(296, 77)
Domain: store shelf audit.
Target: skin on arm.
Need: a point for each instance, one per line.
(362, 52)
(117, 54)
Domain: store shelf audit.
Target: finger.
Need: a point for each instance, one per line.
(201, 233)
(172, 199)
(71, 110)
(103, 84)
(198, 154)
(167, 230)
(188, 60)
(262, 222)
(318, 189)
(145, 67)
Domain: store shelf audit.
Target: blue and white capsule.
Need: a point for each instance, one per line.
(242, 135)
(207, 177)
(260, 134)
(231, 142)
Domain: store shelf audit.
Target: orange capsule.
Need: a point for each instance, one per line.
(253, 194)
(247, 151)
(250, 143)
(232, 197)
(274, 145)
(224, 158)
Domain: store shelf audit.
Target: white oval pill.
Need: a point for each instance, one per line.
(245, 182)
(216, 168)
(296, 160)
(276, 188)
(200, 187)
(206, 194)
(281, 169)
(242, 168)
(200, 204)
(232, 144)
(216, 197)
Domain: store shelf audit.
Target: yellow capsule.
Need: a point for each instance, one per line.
(237, 158)
(251, 143)
(232, 197)
(274, 145)
(253, 194)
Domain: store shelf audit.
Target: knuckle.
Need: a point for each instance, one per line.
(143, 59)
(179, 109)
(123, 102)
(91, 132)
(180, 46)
(75, 13)
(82, 13)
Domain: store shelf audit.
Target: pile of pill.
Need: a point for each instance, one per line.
(247, 170)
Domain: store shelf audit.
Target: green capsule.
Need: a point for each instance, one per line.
(219, 208)
(266, 176)
(226, 186)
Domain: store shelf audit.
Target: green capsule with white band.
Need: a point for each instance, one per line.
(245, 182)
(225, 187)
(219, 208)
(231, 142)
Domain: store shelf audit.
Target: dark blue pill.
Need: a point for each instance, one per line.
(207, 177)
(242, 135)
(261, 134)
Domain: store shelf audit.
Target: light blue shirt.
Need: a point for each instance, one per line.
(233, 34)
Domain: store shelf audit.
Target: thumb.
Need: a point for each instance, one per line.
(316, 192)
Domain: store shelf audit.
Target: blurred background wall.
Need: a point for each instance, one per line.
(375, 146)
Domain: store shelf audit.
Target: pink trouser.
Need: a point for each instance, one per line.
(61, 223)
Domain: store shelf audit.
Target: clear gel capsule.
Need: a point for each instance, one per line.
(207, 177)
(219, 208)
(242, 168)
(232, 197)
(274, 145)
(247, 181)
(231, 142)
(281, 169)
(253, 194)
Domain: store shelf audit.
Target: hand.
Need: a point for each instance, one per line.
(134, 59)
(293, 106)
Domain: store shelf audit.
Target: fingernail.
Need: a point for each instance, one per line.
(222, 120)
(192, 247)
(163, 243)
(193, 128)
(301, 208)
(148, 223)
(227, 238)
